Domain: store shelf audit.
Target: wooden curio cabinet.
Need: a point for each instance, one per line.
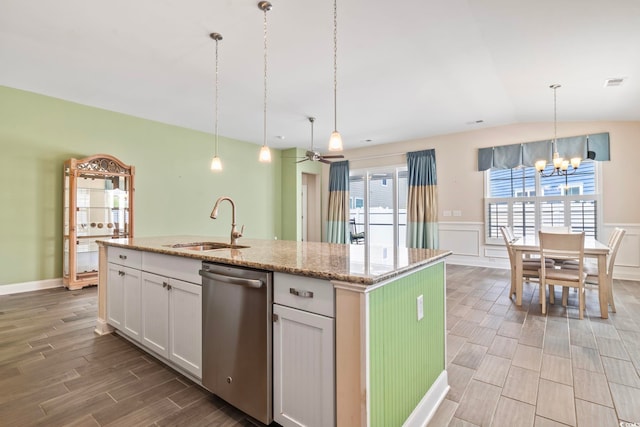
(97, 204)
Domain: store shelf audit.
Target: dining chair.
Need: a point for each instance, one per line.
(530, 267)
(592, 271)
(562, 246)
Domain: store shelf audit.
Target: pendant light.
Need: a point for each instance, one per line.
(216, 164)
(560, 165)
(265, 153)
(335, 141)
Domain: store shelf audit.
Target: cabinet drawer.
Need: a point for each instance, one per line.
(173, 266)
(126, 257)
(304, 293)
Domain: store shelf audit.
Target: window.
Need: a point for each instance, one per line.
(524, 200)
(382, 212)
(356, 202)
(572, 190)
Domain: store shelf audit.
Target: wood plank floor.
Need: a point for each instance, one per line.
(54, 371)
(512, 366)
(507, 365)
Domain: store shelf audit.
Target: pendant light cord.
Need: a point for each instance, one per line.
(555, 119)
(264, 142)
(216, 153)
(335, 65)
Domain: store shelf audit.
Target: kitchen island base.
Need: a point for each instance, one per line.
(381, 335)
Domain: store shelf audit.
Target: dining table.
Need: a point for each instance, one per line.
(530, 245)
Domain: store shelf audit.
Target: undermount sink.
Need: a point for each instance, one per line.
(206, 246)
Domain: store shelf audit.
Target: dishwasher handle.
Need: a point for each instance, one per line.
(249, 283)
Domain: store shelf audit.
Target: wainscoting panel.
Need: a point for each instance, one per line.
(462, 238)
(466, 240)
(628, 258)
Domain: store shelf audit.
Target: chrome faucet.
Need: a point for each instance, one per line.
(235, 234)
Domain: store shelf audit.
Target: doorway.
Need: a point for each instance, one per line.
(310, 210)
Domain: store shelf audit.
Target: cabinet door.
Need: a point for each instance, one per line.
(303, 368)
(115, 295)
(155, 313)
(185, 326)
(132, 302)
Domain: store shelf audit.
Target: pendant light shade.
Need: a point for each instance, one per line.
(216, 163)
(265, 153)
(335, 141)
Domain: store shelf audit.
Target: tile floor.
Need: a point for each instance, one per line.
(512, 366)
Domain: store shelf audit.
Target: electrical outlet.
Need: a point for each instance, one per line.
(420, 307)
(457, 213)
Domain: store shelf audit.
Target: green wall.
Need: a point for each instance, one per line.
(175, 190)
(406, 355)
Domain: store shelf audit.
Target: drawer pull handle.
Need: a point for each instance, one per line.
(164, 284)
(122, 256)
(168, 287)
(121, 273)
(302, 294)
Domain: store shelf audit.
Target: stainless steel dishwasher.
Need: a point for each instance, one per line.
(236, 337)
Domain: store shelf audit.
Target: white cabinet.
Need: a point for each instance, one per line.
(155, 313)
(172, 320)
(162, 311)
(115, 295)
(124, 293)
(185, 326)
(303, 352)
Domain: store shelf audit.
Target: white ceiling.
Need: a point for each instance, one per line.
(406, 69)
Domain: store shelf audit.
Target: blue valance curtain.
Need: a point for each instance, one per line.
(422, 204)
(595, 146)
(338, 217)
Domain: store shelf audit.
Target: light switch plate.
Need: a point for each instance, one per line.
(420, 307)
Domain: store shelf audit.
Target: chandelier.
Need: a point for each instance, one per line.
(560, 164)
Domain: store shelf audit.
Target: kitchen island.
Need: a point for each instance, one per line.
(387, 312)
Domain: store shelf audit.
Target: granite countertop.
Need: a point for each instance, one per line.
(360, 264)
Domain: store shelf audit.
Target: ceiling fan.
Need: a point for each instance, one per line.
(314, 155)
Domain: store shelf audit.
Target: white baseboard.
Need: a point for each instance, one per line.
(16, 288)
(429, 404)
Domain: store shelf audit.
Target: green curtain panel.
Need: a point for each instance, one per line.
(338, 218)
(422, 205)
